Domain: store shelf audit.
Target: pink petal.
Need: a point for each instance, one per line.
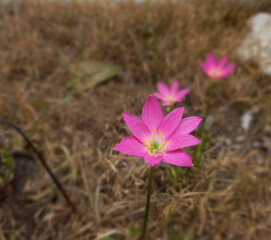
(222, 62)
(178, 158)
(187, 125)
(174, 87)
(159, 95)
(170, 122)
(163, 89)
(131, 146)
(177, 141)
(182, 93)
(151, 159)
(136, 126)
(227, 70)
(152, 113)
(211, 61)
(205, 68)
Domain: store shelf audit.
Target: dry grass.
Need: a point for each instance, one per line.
(230, 197)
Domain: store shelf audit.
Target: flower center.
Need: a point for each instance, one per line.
(216, 72)
(156, 145)
(170, 99)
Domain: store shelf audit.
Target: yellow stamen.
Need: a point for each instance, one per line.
(163, 147)
(146, 140)
(148, 146)
(153, 133)
(151, 148)
(170, 99)
(152, 136)
(160, 134)
(216, 72)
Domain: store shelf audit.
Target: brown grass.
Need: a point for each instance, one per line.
(230, 197)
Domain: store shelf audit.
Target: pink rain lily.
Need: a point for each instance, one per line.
(171, 95)
(217, 69)
(159, 138)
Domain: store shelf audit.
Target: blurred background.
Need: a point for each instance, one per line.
(68, 69)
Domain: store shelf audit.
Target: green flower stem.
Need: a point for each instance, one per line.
(199, 149)
(144, 228)
(146, 17)
(169, 108)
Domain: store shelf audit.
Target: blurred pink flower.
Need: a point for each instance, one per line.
(217, 69)
(171, 95)
(157, 138)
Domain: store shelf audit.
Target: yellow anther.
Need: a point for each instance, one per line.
(160, 134)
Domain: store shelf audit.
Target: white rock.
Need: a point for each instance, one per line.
(247, 117)
(257, 44)
(246, 120)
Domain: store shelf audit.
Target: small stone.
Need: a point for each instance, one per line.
(256, 45)
(256, 144)
(228, 141)
(246, 120)
(240, 139)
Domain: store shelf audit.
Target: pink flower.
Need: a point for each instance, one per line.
(171, 95)
(158, 138)
(217, 69)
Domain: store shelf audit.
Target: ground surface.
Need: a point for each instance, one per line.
(76, 130)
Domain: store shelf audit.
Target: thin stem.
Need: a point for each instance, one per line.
(169, 108)
(209, 101)
(43, 162)
(155, 59)
(146, 30)
(146, 17)
(208, 106)
(147, 205)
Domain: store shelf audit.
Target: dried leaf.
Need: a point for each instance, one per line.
(91, 73)
(24, 166)
(13, 190)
